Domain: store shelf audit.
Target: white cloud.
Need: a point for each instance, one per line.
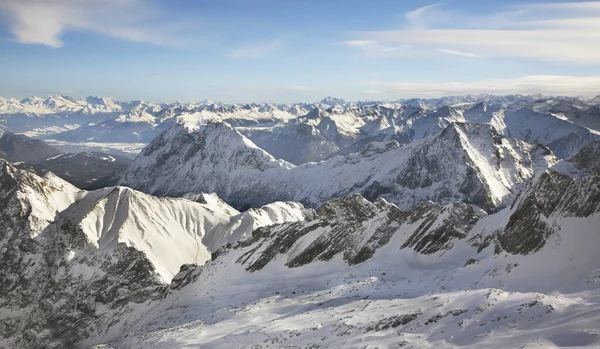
(459, 53)
(377, 49)
(559, 32)
(45, 21)
(544, 84)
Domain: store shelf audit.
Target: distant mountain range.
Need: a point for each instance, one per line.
(301, 132)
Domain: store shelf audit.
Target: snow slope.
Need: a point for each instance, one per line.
(168, 231)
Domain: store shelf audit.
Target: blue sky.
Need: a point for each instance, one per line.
(297, 50)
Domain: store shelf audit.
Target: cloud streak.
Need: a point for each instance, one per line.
(460, 53)
(544, 84)
(375, 48)
(45, 21)
(556, 32)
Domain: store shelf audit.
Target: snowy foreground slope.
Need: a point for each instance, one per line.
(466, 162)
(368, 275)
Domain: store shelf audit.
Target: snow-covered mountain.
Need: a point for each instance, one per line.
(303, 132)
(468, 162)
(122, 269)
(369, 274)
(458, 222)
(324, 132)
(43, 117)
(74, 262)
(298, 141)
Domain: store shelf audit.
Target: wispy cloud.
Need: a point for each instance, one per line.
(416, 17)
(378, 49)
(560, 32)
(544, 84)
(459, 53)
(45, 21)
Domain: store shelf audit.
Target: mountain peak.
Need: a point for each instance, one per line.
(332, 101)
(215, 153)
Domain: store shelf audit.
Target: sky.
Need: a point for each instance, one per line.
(287, 51)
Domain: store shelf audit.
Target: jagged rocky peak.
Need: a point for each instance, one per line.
(340, 228)
(475, 163)
(549, 198)
(553, 195)
(480, 107)
(448, 112)
(30, 202)
(212, 136)
(332, 101)
(355, 228)
(469, 162)
(588, 158)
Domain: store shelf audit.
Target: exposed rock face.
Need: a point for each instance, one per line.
(587, 159)
(58, 300)
(338, 230)
(553, 195)
(28, 202)
(355, 228)
(457, 227)
(213, 154)
(473, 158)
(440, 226)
